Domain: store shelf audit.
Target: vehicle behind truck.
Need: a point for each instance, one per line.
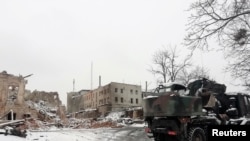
(174, 112)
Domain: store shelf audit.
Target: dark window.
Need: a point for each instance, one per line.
(131, 91)
(246, 101)
(131, 100)
(116, 99)
(121, 99)
(116, 90)
(136, 101)
(136, 92)
(121, 90)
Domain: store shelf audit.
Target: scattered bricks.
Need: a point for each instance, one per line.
(105, 124)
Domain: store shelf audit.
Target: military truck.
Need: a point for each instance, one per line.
(175, 112)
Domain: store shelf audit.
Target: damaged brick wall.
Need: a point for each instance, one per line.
(50, 98)
(12, 89)
(14, 97)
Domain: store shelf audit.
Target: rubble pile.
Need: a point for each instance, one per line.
(33, 124)
(16, 127)
(78, 123)
(91, 123)
(44, 112)
(102, 124)
(46, 117)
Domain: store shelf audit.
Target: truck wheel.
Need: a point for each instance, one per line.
(196, 134)
(164, 137)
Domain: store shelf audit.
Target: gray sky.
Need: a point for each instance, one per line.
(56, 41)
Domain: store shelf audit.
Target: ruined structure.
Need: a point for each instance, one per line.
(46, 102)
(17, 103)
(12, 89)
(50, 98)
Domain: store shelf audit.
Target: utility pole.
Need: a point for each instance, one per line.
(91, 79)
(73, 85)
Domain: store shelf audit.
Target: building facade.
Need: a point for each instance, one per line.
(113, 97)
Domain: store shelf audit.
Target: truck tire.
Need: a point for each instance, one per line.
(196, 134)
(164, 137)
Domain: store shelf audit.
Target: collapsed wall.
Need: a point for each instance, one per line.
(47, 104)
(18, 103)
(50, 98)
(12, 89)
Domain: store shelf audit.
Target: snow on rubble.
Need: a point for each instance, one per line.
(72, 130)
(41, 107)
(114, 116)
(48, 126)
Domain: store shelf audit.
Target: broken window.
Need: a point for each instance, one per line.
(12, 92)
(26, 115)
(11, 116)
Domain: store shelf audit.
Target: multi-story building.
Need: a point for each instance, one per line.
(113, 97)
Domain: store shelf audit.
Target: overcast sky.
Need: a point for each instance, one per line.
(58, 40)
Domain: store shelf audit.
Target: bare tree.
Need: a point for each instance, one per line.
(167, 65)
(228, 22)
(247, 85)
(198, 72)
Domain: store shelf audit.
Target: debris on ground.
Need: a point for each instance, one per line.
(20, 127)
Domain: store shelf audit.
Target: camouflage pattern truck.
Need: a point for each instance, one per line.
(174, 112)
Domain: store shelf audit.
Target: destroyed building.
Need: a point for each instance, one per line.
(17, 103)
(49, 98)
(12, 89)
(47, 104)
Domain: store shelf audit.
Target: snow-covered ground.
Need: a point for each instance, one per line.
(134, 132)
(112, 129)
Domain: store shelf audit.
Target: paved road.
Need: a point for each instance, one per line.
(124, 134)
(100, 134)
